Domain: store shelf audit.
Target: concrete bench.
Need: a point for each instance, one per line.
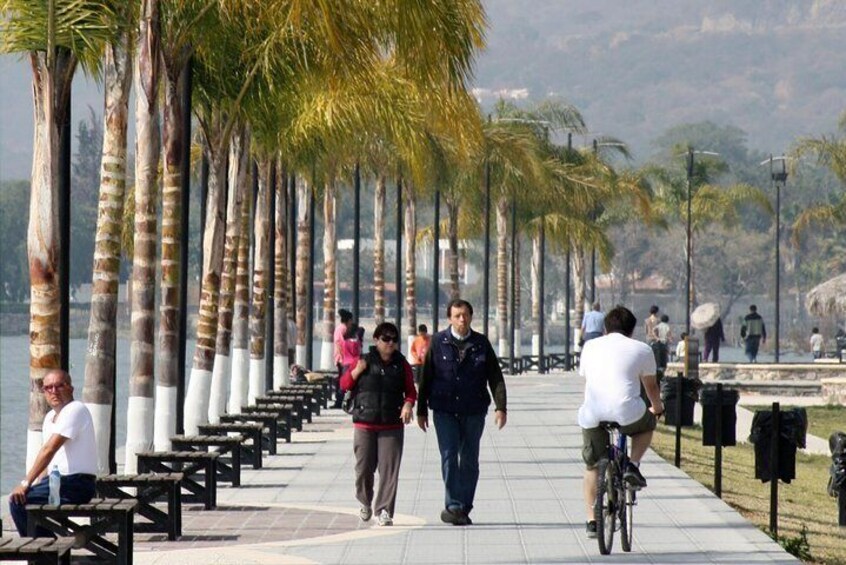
(149, 488)
(224, 445)
(105, 515)
(39, 551)
(250, 452)
(190, 464)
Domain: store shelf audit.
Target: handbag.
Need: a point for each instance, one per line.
(348, 402)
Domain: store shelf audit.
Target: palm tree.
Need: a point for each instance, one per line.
(329, 297)
(261, 275)
(280, 288)
(239, 386)
(139, 426)
(56, 39)
(98, 392)
(303, 264)
(222, 372)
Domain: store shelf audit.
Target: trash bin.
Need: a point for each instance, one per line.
(837, 480)
(669, 396)
(710, 413)
(792, 429)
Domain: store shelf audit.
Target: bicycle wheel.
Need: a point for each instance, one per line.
(605, 508)
(627, 518)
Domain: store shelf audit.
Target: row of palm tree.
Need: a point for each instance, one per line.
(289, 93)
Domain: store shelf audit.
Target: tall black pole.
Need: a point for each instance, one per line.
(184, 230)
(356, 305)
(567, 287)
(593, 248)
(436, 265)
(511, 328)
(541, 276)
(65, 238)
(310, 295)
(688, 238)
(270, 311)
(292, 244)
(204, 191)
(486, 287)
(778, 180)
(399, 258)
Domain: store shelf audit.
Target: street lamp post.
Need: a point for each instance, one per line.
(777, 180)
(688, 230)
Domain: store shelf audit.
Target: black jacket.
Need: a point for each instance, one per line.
(380, 390)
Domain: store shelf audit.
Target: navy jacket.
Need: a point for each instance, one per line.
(447, 385)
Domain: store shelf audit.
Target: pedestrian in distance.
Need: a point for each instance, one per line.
(681, 348)
(592, 323)
(338, 348)
(351, 347)
(714, 336)
(650, 323)
(664, 336)
(614, 367)
(68, 444)
(753, 332)
(383, 404)
(458, 371)
(817, 344)
(419, 347)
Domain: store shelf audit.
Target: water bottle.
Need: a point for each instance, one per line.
(55, 483)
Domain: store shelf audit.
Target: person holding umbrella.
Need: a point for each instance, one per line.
(714, 336)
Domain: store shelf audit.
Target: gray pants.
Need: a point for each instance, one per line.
(382, 451)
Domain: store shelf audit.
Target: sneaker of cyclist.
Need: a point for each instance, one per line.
(614, 367)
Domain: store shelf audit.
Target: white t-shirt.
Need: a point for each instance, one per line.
(612, 366)
(816, 342)
(79, 453)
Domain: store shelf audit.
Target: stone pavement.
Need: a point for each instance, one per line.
(300, 508)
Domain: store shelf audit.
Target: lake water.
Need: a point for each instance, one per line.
(14, 394)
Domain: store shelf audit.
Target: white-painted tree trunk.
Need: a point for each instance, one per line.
(257, 375)
(327, 355)
(101, 415)
(219, 387)
(197, 400)
(503, 347)
(301, 355)
(240, 380)
(280, 371)
(138, 431)
(165, 417)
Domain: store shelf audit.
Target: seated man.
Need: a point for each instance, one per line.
(614, 366)
(69, 443)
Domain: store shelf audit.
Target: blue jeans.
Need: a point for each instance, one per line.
(459, 436)
(75, 489)
(752, 344)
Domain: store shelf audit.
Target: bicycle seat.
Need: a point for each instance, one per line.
(609, 425)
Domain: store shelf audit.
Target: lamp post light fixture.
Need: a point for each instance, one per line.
(777, 180)
(688, 232)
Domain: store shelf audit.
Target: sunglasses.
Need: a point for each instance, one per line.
(389, 339)
(53, 388)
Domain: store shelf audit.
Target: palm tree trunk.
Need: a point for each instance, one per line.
(280, 288)
(502, 274)
(241, 312)
(579, 291)
(102, 329)
(139, 415)
(258, 313)
(379, 251)
(452, 229)
(222, 372)
(411, 262)
(197, 396)
(303, 264)
(518, 317)
(327, 351)
(536, 261)
(164, 426)
(51, 97)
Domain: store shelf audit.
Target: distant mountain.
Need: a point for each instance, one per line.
(774, 68)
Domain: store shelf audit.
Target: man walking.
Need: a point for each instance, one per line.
(458, 370)
(754, 332)
(592, 323)
(69, 444)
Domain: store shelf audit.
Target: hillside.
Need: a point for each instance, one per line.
(773, 68)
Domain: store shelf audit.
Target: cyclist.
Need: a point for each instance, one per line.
(614, 367)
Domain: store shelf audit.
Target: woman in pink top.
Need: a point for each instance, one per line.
(350, 347)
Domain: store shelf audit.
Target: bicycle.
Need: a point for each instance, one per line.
(615, 499)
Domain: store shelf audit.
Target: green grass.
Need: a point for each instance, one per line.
(802, 502)
(825, 420)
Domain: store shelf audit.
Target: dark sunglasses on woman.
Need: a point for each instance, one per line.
(389, 339)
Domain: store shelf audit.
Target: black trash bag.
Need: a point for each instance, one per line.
(710, 413)
(837, 480)
(669, 394)
(792, 432)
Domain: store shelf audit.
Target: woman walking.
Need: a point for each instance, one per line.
(383, 384)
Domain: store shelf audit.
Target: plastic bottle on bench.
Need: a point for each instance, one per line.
(55, 482)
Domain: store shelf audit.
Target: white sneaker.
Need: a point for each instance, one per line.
(385, 519)
(365, 513)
